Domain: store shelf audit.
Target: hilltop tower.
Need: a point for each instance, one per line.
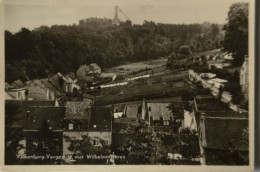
(116, 19)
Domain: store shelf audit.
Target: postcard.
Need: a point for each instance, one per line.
(124, 85)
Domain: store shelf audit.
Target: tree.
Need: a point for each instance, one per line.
(236, 36)
(13, 135)
(46, 142)
(171, 59)
(185, 50)
(233, 155)
(46, 50)
(190, 143)
(84, 147)
(142, 145)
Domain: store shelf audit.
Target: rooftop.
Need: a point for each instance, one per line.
(222, 132)
(211, 104)
(78, 110)
(133, 110)
(22, 107)
(17, 84)
(157, 110)
(101, 118)
(50, 114)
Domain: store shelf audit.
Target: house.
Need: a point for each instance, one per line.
(108, 76)
(45, 89)
(224, 139)
(43, 130)
(210, 103)
(38, 91)
(69, 83)
(21, 110)
(16, 93)
(7, 85)
(87, 72)
(219, 64)
(56, 90)
(244, 77)
(55, 81)
(119, 110)
(95, 68)
(208, 80)
(77, 115)
(95, 123)
(189, 119)
(160, 117)
(18, 84)
(131, 110)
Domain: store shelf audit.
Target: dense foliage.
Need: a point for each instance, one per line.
(82, 148)
(61, 48)
(13, 135)
(144, 146)
(236, 35)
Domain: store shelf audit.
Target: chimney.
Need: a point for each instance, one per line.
(27, 116)
(143, 109)
(56, 103)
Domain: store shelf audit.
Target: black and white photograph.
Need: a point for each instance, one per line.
(113, 82)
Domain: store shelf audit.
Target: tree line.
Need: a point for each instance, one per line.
(43, 51)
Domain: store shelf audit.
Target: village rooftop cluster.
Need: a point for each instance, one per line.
(95, 105)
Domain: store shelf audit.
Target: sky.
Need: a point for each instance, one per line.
(34, 13)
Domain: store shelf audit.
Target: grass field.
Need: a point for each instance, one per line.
(130, 68)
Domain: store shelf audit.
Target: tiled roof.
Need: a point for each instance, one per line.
(10, 94)
(49, 85)
(78, 110)
(119, 107)
(225, 114)
(211, 104)
(7, 85)
(125, 120)
(157, 110)
(51, 114)
(24, 106)
(55, 80)
(17, 84)
(38, 83)
(101, 117)
(222, 132)
(133, 110)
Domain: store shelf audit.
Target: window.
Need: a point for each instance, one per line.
(95, 141)
(19, 96)
(70, 126)
(166, 123)
(45, 145)
(80, 126)
(35, 143)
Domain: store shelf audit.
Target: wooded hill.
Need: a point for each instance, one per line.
(38, 53)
